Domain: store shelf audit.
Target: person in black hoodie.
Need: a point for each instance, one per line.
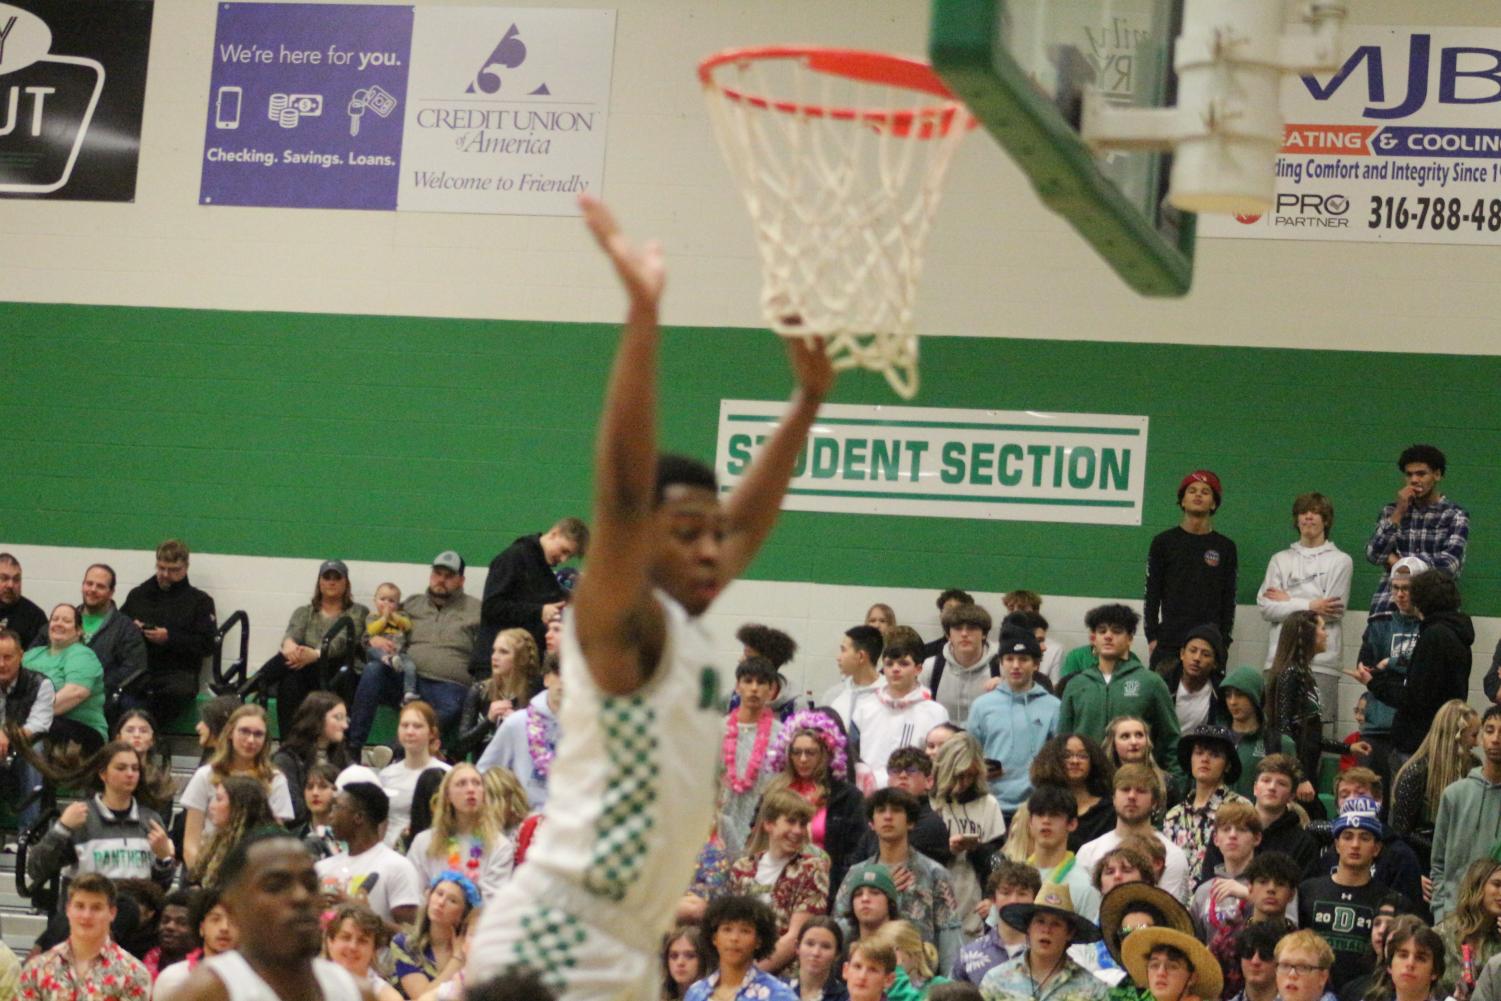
(1440, 665)
(521, 589)
(180, 625)
(1201, 659)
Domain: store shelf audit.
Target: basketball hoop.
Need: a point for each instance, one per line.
(841, 172)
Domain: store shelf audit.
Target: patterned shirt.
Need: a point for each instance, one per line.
(1436, 533)
(1012, 981)
(981, 955)
(929, 903)
(711, 877)
(802, 885)
(757, 986)
(115, 975)
(1192, 828)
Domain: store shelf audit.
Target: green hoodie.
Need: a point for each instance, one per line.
(1252, 748)
(1467, 828)
(1089, 705)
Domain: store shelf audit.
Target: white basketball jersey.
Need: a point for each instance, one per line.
(631, 792)
(244, 984)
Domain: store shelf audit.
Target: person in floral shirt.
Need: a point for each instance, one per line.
(88, 966)
(739, 931)
(1209, 757)
(925, 895)
(783, 868)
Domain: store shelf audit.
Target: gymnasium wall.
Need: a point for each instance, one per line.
(281, 386)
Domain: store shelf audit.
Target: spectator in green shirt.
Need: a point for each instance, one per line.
(78, 678)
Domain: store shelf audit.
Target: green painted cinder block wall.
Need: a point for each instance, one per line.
(389, 438)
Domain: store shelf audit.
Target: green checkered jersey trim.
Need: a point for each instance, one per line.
(550, 943)
(622, 830)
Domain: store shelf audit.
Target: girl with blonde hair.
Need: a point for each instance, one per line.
(1128, 741)
(467, 836)
(973, 818)
(916, 961)
(515, 676)
(243, 749)
(1445, 756)
(1472, 925)
(506, 795)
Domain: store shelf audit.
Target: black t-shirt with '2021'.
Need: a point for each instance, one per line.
(1343, 915)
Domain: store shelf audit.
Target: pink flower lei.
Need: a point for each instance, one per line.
(822, 727)
(538, 745)
(743, 783)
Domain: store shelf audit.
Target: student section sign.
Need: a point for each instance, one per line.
(940, 463)
(433, 109)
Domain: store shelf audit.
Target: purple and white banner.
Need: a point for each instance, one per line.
(435, 109)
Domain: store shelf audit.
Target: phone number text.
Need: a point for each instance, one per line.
(1435, 213)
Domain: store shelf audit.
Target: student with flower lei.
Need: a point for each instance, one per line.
(809, 757)
(526, 742)
(467, 835)
(748, 733)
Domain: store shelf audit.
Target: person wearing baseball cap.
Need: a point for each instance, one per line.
(1342, 906)
(1046, 969)
(1014, 720)
(445, 621)
(1190, 572)
(298, 669)
(1390, 639)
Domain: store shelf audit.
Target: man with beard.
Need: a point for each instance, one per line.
(271, 891)
(178, 621)
(18, 613)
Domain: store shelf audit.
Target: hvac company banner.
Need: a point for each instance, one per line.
(435, 109)
(1403, 144)
(942, 463)
(72, 86)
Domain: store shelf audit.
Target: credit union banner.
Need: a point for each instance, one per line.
(1401, 145)
(943, 463)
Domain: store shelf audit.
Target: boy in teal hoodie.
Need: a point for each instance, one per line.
(1115, 683)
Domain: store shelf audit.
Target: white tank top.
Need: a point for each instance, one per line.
(244, 984)
(631, 794)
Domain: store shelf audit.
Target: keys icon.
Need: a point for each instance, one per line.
(372, 98)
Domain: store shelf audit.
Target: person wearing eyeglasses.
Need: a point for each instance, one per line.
(1303, 962)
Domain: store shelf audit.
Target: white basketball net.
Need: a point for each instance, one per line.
(841, 200)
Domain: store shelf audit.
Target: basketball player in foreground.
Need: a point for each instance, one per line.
(271, 889)
(631, 794)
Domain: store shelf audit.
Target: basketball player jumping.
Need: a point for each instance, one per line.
(631, 794)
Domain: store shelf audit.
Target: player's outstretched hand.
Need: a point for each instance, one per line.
(811, 366)
(640, 268)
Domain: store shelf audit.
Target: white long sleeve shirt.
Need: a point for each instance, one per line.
(1306, 574)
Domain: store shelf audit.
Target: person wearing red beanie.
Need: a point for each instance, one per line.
(1191, 572)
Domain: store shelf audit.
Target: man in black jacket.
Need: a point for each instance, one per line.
(180, 624)
(113, 637)
(1439, 669)
(18, 613)
(521, 590)
(26, 712)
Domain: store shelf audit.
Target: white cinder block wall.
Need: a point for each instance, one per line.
(998, 265)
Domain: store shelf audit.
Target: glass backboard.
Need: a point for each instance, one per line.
(1023, 67)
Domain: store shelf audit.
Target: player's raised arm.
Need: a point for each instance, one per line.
(619, 626)
(752, 509)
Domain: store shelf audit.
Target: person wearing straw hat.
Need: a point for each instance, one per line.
(1045, 970)
(1172, 965)
(1126, 910)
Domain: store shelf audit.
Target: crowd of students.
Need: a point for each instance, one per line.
(955, 818)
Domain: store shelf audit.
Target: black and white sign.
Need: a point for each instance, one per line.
(72, 86)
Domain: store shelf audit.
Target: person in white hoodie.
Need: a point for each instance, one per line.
(526, 741)
(1312, 575)
(859, 671)
(902, 711)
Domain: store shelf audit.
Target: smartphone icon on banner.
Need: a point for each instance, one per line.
(227, 108)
